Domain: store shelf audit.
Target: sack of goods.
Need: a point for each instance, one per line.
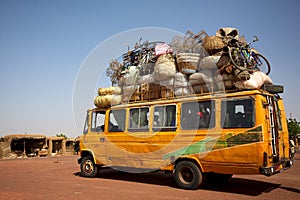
(131, 77)
(109, 90)
(187, 62)
(164, 67)
(106, 101)
(257, 79)
(181, 85)
(200, 83)
(209, 62)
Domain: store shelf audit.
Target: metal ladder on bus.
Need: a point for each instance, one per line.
(272, 126)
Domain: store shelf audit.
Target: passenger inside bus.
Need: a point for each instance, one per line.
(197, 115)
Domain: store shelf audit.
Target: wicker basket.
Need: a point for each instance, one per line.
(213, 44)
(187, 62)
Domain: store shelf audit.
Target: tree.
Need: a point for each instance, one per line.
(61, 135)
(293, 127)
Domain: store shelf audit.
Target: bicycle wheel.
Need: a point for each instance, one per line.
(237, 60)
(262, 64)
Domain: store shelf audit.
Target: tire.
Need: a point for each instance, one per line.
(188, 176)
(88, 167)
(237, 63)
(262, 63)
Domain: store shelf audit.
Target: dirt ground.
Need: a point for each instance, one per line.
(58, 178)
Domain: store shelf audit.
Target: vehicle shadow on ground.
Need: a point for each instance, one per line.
(235, 185)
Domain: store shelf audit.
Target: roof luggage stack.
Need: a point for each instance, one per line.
(192, 64)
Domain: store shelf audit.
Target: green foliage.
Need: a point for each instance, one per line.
(293, 127)
(61, 135)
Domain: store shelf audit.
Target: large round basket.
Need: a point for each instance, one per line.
(213, 44)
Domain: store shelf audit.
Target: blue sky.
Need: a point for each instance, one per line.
(44, 43)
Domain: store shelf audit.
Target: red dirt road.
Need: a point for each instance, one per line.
(58, 178)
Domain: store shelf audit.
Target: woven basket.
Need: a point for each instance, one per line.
(213, 44)
(187, 62)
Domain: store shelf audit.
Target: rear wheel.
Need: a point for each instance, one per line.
(188, 175)
(262, 63)
(88, 167)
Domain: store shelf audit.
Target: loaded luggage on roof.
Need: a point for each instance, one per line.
(190, 64)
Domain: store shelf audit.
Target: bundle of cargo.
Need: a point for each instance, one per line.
(107, 100)
(256, 81)
(108, 97)
(164, 72)
(164, 67)
(109, 90)
(181, 85)
(200, 83)
(193, 63)
(130, 89)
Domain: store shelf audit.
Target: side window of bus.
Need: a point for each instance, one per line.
(139, 118)
(98, 119)
(164, 117)
(237, 113)
(117, 120)
(198, 115)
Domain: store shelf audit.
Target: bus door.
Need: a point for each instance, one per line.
(273, 127)
(94, 139)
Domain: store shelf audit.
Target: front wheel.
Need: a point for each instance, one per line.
(188, 175)
(88, 167)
